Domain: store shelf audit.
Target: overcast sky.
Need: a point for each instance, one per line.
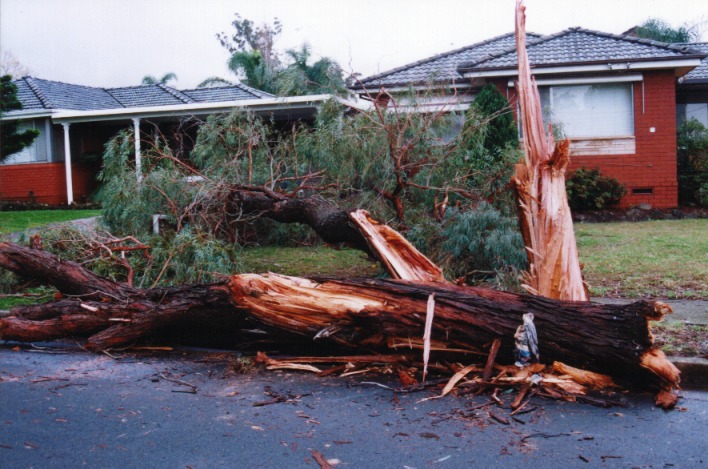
(112, 43)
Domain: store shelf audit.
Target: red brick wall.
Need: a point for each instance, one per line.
(653, 166)
(44, 182)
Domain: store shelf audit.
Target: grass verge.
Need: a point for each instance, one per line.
(309, 262)
(22, 220)
(682, 340)
(660, 259)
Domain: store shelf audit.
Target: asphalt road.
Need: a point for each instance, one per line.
(64, 407)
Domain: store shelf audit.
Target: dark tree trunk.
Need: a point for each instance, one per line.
(361, 314)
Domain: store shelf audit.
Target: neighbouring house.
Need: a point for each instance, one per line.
(692, 90)
(614, 96)
(76, 121)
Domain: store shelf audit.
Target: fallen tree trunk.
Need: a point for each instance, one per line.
(366, 315)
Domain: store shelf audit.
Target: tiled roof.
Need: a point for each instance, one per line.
(442, 67)
(700, 73)
(577, 46)
(226, 93)
(146, 95)
(35, 93)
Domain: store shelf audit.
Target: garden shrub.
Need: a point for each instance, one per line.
(692, 142)
(589, 190)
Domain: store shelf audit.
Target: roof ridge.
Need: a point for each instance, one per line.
(439, 56)
(176, 93)
(579, 29)
(38, 92)
(109, 91)
(241, 86)
(511, 49)
(639, 40)
(255, 91)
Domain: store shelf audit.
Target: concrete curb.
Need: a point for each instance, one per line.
(694, 371)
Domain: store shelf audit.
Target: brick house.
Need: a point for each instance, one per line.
(76, 121)
(613, 96)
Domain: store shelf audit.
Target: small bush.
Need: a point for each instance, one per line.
(692, 140)
(590, 190)
(480, 244)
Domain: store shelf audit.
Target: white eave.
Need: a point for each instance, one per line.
(27, 114)
(682, 64)
(256, 105)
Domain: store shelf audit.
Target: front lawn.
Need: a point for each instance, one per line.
(22, 220)
(661, 259)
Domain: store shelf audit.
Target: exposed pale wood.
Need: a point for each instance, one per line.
(398, 255)
(493, 350)
(544, 214)
(584, 377)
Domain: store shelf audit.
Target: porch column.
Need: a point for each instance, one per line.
(67, 165)
(138, 162)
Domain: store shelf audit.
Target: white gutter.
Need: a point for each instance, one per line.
(584, 81)
(26, 114)
(613, 66)
(376, 88)
(267, 104)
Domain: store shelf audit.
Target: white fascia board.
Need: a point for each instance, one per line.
(429, 108)
(610, 66)
(584, 81)
(403, 89)
(268, 104)
(26, 114)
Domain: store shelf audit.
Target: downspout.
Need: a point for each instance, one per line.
(138, 161)
(67, 165)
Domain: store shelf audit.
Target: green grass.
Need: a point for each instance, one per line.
(309, 261)
(22, 220)
(662, 259)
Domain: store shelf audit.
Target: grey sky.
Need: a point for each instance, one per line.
(116, 42)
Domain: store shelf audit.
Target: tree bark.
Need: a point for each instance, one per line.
(366, 315)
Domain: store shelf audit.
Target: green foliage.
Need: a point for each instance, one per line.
(11, 141)
(692, 142)
(163, 80)
(477, 244)
(256, 61)
(500, 131)
(589, 190)
(660, 30)
(397, 165)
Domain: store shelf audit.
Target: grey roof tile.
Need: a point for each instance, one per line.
(36, 93)
(144, 95)
(699, 74)
(442, 67)
(225, 93)
(58, 95)
(581, 46)
(27, 96)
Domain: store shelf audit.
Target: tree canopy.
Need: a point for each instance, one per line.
(163, 80)
(256, 61)
(660, 30)
(12, 141)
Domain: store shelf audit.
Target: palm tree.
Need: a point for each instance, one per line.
(213, 82)
(323, 76)
(253, 69)
(151, 80)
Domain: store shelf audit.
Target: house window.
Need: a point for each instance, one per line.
(590, 111)
(35, 153)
